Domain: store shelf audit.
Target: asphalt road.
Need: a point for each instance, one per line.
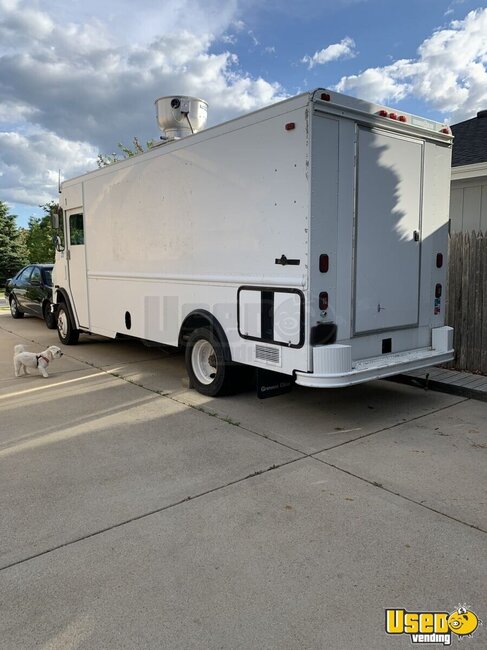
(136, 513)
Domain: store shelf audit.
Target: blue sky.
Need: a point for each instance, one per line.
(77, 77)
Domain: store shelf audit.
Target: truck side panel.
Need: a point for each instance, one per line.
(185, 226)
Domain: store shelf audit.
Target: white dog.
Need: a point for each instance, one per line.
(24, 360)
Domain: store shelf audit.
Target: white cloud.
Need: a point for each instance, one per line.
(345, 49)
(69, 89)
(449, 72)
(29, 165)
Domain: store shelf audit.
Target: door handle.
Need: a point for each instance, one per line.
(285, 261)
(416, 235)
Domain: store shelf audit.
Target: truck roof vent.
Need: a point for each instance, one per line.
(179, 115)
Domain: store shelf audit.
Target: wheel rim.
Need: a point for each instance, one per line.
(13, 307)
(203, 361)
(62, 323)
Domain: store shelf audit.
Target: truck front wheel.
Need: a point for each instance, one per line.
(67, 333)
(209, 372)
(49, 317)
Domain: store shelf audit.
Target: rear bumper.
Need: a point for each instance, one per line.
(333, 366)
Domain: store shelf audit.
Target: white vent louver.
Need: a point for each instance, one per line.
(268, 354)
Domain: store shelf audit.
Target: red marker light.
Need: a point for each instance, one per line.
(403, 118)
(393, 116)
(324, 263)
(383, 113)
(445, 130)
(439, 260)
(438, 289)
(290, 126)
(325, 97)
(323, 301)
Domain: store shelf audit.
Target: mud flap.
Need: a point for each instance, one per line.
(270, 383)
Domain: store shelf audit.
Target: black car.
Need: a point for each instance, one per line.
(30, 292)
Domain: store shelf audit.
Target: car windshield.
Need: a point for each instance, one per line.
(47, 277)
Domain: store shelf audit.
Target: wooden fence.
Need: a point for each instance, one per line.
(467, 300)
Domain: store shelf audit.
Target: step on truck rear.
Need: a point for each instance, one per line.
(308, 239)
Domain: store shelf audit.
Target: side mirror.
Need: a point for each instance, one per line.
(56, 217)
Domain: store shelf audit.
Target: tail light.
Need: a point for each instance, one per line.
(324, 263)
(323, 301)
(438, 290)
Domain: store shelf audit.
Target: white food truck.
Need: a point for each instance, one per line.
(307, 239)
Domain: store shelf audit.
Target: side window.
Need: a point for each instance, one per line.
(24, 276)
(76, 229)
(47, 275)
(36, 275)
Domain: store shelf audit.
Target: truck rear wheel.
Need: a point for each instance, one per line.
(209, 372)
(67, 333)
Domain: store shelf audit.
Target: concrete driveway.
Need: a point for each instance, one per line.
(136, 513)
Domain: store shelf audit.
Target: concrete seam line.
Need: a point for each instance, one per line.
(380, 486)
(391, 426)
(201, 409)
(222, 418)
(151, 513)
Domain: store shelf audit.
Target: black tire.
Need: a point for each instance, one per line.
(14, 308)
(204, 353)
(49, 317)
(67, 333)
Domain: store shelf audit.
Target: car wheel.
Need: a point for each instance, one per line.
(209, 372)
(14, 308)
(67, 333)
(49, 317)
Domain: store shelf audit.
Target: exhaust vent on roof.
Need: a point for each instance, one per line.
(482, 113)
(179, 116)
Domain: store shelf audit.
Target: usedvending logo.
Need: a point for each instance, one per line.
(433, 627)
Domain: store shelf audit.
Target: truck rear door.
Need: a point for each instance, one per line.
(388, 231)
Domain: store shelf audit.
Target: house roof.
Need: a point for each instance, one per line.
(470, 143)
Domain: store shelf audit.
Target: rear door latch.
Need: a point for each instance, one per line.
(284, 261)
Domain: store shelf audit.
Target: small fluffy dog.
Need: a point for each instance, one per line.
(24, 360)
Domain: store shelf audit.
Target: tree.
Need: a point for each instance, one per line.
(13, 253)
(39, 234)
(103, 159)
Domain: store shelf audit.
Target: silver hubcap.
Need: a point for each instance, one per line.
(62, 324)
(203, 361)
(13, 307)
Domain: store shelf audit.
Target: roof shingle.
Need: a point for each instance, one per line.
(470, 143)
